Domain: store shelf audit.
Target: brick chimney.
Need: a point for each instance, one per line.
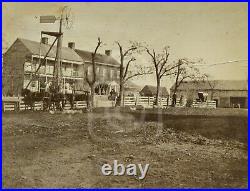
(108, 52)
(45, 40)
(71, 45)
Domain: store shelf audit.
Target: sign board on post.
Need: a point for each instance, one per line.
(48, 19)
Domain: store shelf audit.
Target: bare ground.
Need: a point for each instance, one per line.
(41, 150)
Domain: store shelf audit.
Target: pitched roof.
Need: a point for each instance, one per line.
(34, 47)
(149, 90)
(214, 84)
(101, 58)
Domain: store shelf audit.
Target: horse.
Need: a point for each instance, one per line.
(29, 98)
(58, 101)
(71, 99)
(47, 101)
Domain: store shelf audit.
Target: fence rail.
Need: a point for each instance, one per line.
(148, 102)
(20, 106)
(207, 104)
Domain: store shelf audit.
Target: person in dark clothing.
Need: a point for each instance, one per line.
(174, 99)
(181, 100)
(112, 95)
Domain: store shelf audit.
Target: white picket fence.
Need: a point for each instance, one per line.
(77, 105)
(207, 104)
(9, 106)
(148, 102)
(20, 106)
(129, 101)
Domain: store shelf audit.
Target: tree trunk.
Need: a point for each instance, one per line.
(121, 80)
(91, 100)
(174, 95)
(176, 85)
(121, 94)
(92, 94)
(157, 91)
(175, 88)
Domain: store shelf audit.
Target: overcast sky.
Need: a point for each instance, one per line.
(216, 32)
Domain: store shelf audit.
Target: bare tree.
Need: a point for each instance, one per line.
(126, 60)
(212, 84)
(91, 79)
(186, 70)
(161, 67)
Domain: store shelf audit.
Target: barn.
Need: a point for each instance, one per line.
(226, 93)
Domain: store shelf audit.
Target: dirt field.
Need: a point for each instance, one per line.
(67, 151)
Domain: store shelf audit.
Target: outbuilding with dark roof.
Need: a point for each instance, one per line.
(150, 91)
(226, 93)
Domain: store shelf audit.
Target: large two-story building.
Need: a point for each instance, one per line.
(107, 70)
(22, 59)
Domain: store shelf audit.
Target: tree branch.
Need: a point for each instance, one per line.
(129, 50)
(126, 70)
(93, 55)
(167, 74)
(137, 74)
(150, 54)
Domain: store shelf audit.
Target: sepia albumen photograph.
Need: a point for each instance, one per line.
(124, 95)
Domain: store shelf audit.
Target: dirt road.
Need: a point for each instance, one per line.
(41, 150)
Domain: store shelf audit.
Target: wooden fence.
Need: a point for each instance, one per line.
(148, 102)
(207, 104)
(20, 106)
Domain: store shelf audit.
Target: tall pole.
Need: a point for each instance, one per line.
(57, 69)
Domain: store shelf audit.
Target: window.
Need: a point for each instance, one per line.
(75, 67)
(104, 72)
(33, 84)
(118, 74)
(89, 70)
(27, 67)
(75, 70)
(49, 69)
(111, 74)
(97, 70)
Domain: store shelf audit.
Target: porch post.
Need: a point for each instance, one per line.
(64, 85)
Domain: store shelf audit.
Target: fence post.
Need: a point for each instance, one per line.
(3, 106)
(18, 105)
